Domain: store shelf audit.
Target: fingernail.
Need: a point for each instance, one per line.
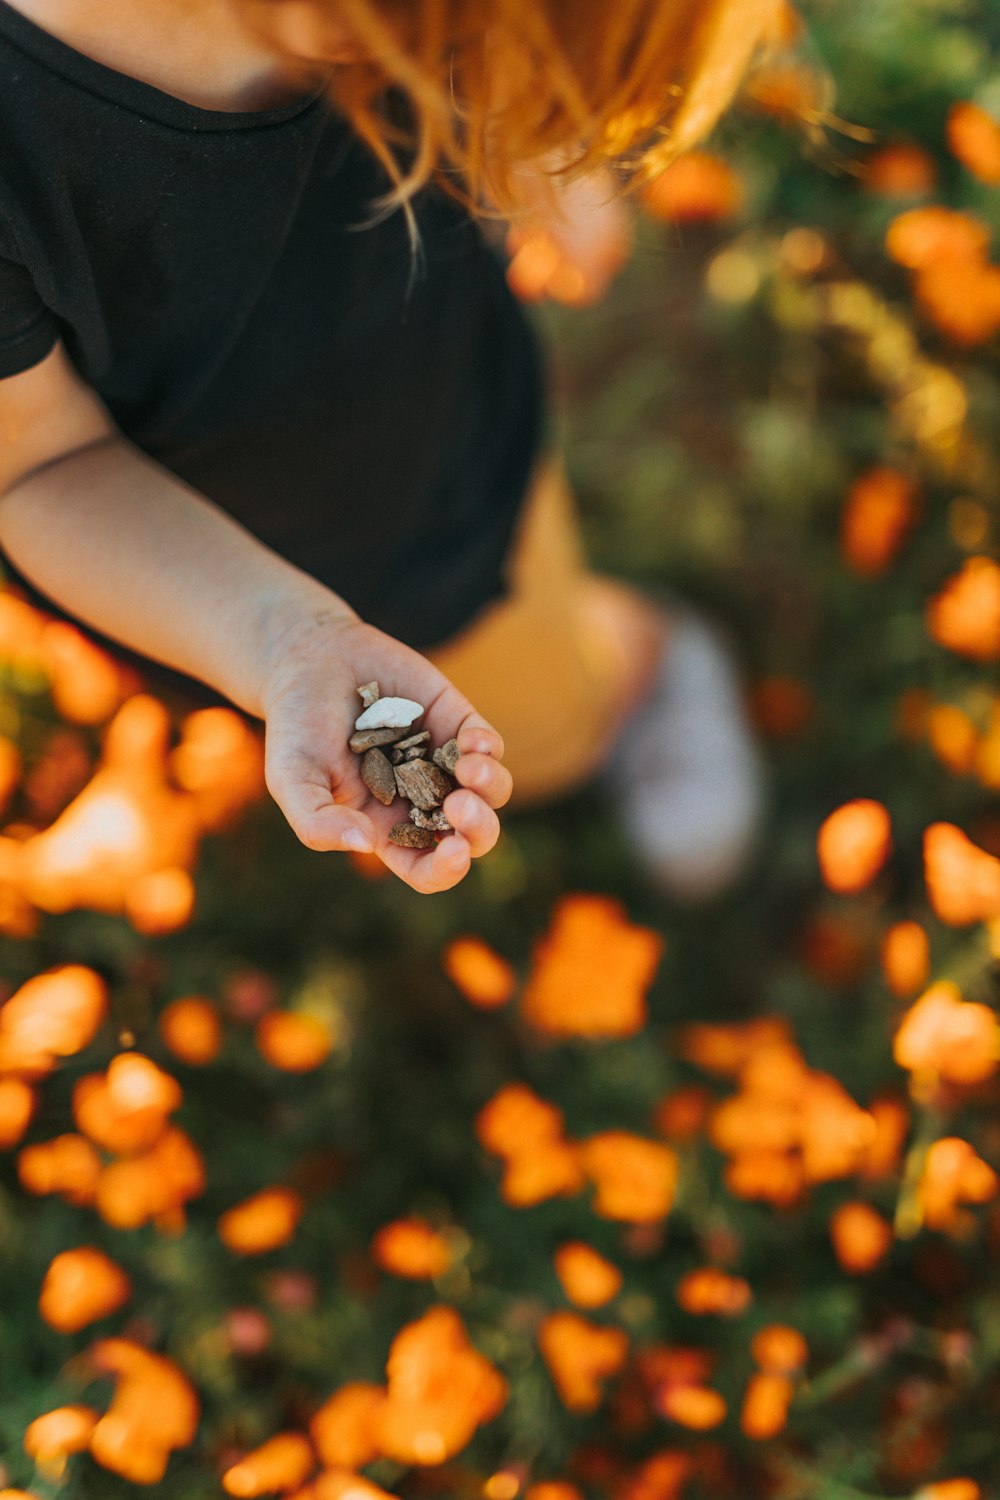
(358, 841)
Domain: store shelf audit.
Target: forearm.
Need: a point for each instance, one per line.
(125, 546)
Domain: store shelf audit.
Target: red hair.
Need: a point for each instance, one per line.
(495, 86)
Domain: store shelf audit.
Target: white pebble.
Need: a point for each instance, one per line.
(390, 713)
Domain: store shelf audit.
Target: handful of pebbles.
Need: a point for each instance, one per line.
(395, 762)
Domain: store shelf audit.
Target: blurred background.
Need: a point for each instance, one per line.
(543, 1187)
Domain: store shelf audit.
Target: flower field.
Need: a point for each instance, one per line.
(542, 1189)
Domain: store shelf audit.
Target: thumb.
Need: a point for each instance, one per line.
(319, 822)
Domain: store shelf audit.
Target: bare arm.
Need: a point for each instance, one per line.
(131, 550)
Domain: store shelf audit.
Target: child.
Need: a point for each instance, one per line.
(265, 432)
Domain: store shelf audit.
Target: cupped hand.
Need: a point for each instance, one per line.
(310, 705)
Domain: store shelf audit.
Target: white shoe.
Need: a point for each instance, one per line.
(686, 772)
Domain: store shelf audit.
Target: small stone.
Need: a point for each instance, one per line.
(377, 775)
(414, 739)
(366, 739)
(447, 756)
(389, 713)
(424, 785)
(435, 821)
(417, 753)
(409, 836)
(368, 694)
(396, 755)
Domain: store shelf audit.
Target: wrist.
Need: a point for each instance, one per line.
(292, 623)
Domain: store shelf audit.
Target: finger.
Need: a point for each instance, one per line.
(477, 737)
(430, 871)
(470, 816)
(319, 822)
(489, 778)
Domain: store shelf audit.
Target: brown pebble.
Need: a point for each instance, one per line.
(436, 820)
(368, 694)
(447, 756)
(417, 753)
(366, 739)
(409, 836)
(414, 739)
(377, 775)
(424, 785)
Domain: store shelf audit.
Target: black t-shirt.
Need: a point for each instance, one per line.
(214, 280)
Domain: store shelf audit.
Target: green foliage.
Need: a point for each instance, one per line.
(711, 440)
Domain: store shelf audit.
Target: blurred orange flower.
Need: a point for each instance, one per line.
(342, 1484)
(125, 1110)
(294, 1041)
(282, 1463)
(929, 236)
(765, 1405)
(900, 170)
(779, 1349)
(219, 763)
(861, 1237)
(10, 770)
(591, 971)
(580, 1355)
(726, 1048)
(517, 1120)
(853, 844)
(17, 1105)
(127, 822)
(55, 1014)
(153, 1411)
(892, 1126)
(710, 1290)
(965, 616)
(412, 1248)
(484, 978)
(974, 137)
(54, 1436)
(553, 1489)
(950, 1489)
(67, 1165)
(635, 1178)
(769, 1176)
(191, 1028)
(961, 299)
(905, 958)
(694, 1406)
(836, 1132)
(80, 1286)
(345, 1428)
(160, 901)
(954, 737)
(879, 511)
(262, 1222)
(697, 188)
(440, 1389)
(528, 1133)
(86, 683)
(586, 1277)
(945, 1035)
(661, 1477)
(953, 1174)
(552, 1170)
(153, 1185)
(963, 881)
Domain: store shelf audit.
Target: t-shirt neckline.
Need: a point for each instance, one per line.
(133, 93)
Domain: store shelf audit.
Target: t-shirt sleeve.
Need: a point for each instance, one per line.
(28, 330)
